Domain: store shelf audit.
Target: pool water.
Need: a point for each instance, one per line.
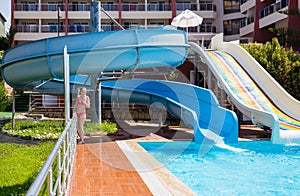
(263, 168)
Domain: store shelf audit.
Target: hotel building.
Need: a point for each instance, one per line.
(244, 20)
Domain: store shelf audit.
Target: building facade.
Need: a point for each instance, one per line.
(36, 19)
(2, 25)
(266, 19)
(244, 20)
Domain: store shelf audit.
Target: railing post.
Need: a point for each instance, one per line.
(67, 84)
(58, 172)
(50, 181)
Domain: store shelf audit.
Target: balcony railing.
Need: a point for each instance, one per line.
(114, 7)
(159, 7)
(247, 21)
(110, 7)
(26, 7)
(108, 27)
(243, 1)
(79, 7)
(27, 28)
(200, 29)
(79, 28)
(193, 6)
(273, 8)
(52, 28)
(133, 7)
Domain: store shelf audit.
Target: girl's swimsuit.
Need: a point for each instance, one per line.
(79, 102)
(79, 114)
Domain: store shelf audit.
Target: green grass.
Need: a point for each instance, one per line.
(7, 114)
(104, 127)
(19, 165)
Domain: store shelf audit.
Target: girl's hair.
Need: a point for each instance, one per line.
(82, 89)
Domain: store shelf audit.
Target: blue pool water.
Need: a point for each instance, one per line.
(264, 168)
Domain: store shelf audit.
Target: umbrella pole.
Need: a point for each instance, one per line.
(187, 32)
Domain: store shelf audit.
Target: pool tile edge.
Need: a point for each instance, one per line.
(158, 178)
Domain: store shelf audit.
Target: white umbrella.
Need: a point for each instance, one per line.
(187, 19)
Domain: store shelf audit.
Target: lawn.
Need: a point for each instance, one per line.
(19, 165)
(7, 114)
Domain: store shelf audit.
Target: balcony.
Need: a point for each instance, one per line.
(200, 29)
(110, 7)
(195, 6)
(270, 15)
(114, 7)
(247, 21)
(79, 28)
(247, 5)
(159, 7)
(247, 26)
(79, 7)
(26, 7)
(50, 7)
(52, 28)
(27, 28)
(38, 7)
(274, 7)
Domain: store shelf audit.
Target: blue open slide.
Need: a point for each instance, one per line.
(30, 65)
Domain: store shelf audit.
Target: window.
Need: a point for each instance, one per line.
(131, 25)
(232, 27)
(231, 6)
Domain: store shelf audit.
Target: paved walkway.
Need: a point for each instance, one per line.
(103, 169)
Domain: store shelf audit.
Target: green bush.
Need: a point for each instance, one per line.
(29, 129)
(104, 127)
(4, 99)
(283, 65)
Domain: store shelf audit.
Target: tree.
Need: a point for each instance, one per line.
(4, 99)
(7, 41)
(283, 65)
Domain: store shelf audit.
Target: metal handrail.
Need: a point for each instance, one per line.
(64, 154)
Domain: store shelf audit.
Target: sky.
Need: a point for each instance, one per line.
(5, 10)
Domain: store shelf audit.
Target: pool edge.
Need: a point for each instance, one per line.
(157, 177)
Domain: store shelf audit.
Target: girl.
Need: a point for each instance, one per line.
(82, 102)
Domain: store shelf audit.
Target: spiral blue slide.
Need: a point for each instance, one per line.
(38, 65)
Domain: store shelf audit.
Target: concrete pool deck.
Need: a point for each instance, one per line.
(118, 168)
(106, 167)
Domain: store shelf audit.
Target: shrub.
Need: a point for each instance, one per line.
(4, 99)
(283, 65)
(42, 130)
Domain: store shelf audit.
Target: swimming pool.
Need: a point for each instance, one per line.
(264, 168)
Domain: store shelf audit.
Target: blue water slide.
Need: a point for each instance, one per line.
(38, 66)
(92, 53)
(197, 107)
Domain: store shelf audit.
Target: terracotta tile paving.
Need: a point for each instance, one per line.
(103, 169)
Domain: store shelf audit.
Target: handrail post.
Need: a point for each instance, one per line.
(67, 84)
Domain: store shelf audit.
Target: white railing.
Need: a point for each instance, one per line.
(56, 172)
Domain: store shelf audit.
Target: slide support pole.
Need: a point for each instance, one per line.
(13, 109)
